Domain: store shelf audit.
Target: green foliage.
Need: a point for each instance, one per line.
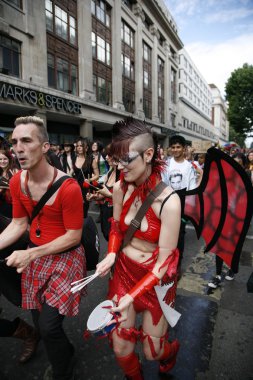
(236, 137)
(239, 94)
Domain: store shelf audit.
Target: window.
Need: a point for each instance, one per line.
(147, 81)
(147, 22)
(147, 108)
(185, 123)
(102, 88)
(101, 56)
(49, 15)
(127, 34)
(129, 3)
(101, 11)
(17, 3)
(173, 53)
(173, 94)
(51, 70)
(160, 84)
(128, 100)
(173, 120)
(161, 39)
(101, 50)
(127, 67)
(9, 56)
(146, 52)
(60, 22)
(72, 30)
(160, 65)
(62, 74)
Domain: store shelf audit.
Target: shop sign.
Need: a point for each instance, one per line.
(201, 146)
(36, 98)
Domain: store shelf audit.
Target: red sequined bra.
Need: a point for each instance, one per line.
(154, 223)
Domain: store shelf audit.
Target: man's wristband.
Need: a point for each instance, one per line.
(144, 285)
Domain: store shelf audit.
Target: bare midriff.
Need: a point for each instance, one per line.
(139, 250)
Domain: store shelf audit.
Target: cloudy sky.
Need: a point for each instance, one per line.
(217, 34)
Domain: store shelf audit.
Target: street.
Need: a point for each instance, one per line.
(215, 330)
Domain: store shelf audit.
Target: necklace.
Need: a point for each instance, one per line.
(29, 195)
(137, 201)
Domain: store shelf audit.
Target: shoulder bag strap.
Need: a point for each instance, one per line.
(48, 194)
(136, 222)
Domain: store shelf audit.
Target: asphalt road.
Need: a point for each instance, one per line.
(215, 330)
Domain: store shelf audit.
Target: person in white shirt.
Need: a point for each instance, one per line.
(180, 174)
(178, 166)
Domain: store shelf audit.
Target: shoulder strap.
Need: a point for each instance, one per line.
(48, 194)
(136, 222)
(165, 200)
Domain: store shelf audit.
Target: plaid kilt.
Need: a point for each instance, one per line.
(47, 280)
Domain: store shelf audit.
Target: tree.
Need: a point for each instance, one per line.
(239, 94)
(236, 137)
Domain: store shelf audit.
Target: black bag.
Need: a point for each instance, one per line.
(250, 284)
(91, 243)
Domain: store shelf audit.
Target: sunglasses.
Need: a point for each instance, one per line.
(127, 159)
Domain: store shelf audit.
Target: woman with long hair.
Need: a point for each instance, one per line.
(99, 155)
(149, 258)
(7, 169)
(104, 195)
(85, 169)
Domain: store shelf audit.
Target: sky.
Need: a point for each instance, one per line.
(217, 34)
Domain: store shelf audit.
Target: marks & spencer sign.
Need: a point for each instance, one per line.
(36, 98)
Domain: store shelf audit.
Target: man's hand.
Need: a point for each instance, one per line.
(19, 259)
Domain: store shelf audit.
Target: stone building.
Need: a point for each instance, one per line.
(82, 65)
(195, 102)
(219, 115)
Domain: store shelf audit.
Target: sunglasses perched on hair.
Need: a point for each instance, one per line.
(127, 159)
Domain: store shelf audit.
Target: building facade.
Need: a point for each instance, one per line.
(82, 65)
(219, 115)
(195, 102)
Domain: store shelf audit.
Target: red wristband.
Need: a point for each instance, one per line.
(115, 237)
(144, 285)
(114, 243)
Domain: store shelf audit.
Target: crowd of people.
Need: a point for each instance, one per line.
(131, 173)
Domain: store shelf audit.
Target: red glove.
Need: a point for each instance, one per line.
(115, 237)
(144, 285)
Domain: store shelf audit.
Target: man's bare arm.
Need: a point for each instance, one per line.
(21, 259)
(13, 232)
